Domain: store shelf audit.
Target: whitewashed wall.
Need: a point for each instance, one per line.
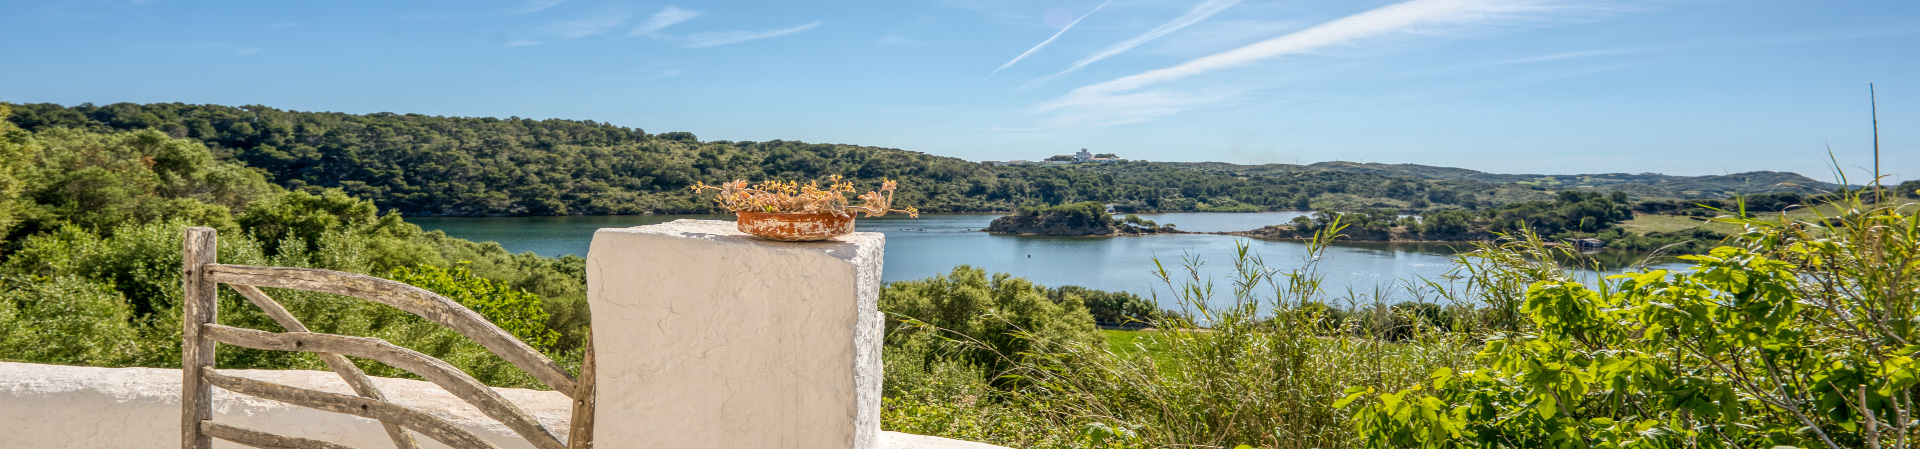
(58, 407)
(709, 337)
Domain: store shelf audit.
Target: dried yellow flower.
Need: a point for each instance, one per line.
(794, 197)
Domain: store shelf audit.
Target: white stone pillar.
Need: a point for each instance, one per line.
(706, 338)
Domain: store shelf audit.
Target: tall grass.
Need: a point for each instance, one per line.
(1257, 358)
(1258, 367)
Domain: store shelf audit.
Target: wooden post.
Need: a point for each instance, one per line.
(580, 435)
(199, 306)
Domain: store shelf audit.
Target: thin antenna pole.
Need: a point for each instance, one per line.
(1874, 105)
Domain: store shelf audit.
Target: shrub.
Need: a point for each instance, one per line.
(69, 321)
(1007, 316)
(518, 312)
(1798, 334)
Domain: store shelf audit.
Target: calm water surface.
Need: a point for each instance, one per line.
(933, 244)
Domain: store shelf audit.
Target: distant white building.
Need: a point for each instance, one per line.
(1087, 156)
(1082, 156)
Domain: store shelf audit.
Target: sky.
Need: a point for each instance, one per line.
(1685, 87)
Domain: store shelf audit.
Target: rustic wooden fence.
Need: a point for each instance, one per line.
(202, 331)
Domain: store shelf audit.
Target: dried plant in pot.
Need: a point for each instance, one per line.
(793, 212)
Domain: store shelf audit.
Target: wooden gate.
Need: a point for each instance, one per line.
(202, 331)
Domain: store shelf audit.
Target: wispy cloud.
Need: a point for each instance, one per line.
(652, 73)
(533, 6)
(1708, 44)
(1043, 44)
(520, 43)
(718, 38)
(667, 17)
(201, 47)
(1198, 13)
(1403, 17)
(599, 23)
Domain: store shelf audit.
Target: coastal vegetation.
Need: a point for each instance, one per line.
(1088, 218)
(431, 165)
(90, 263)
(1790, 333)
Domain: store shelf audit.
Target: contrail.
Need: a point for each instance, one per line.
(1063, 30)
(1193, 16)
(1377, 22)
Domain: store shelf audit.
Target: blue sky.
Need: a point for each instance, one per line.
(1512, 86)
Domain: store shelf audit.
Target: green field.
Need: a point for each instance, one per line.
(1132, 342)
(1643, 224)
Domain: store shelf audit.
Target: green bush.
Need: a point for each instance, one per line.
(1007, 316)
(90, 272)
(1800, 334)
(69, 321)
(518, 312)
(1257, 368)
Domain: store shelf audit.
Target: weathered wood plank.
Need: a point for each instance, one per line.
(255, 438)
(199, 306)
(409, 298)
(580, 431)
(340, 365)
(434, 370)
(415, 420)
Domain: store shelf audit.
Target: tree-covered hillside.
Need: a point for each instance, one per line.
(430, 165)
(1643, 185)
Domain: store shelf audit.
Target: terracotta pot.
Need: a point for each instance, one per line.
(795, 227)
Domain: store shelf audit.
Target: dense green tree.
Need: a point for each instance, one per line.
(1008, 315)
(13, 159)
(96, 252)
(427, 165)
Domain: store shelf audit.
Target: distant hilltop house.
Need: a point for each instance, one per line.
(1082, 156)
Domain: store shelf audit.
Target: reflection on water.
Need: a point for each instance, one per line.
(934, 244)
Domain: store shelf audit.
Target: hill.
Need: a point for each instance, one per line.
(433, 165)
(1644, 185)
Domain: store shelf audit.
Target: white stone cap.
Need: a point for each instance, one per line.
(847, 247)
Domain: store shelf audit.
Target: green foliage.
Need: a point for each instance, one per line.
(1005, 315)
(1107, 308)
(1251, 369)
(98, 181)
(928, 392)
(1796, 336)
(1641, 185)
(426, 165)
(14, 148)
(1571, 212)
(517, 311)
(95, 324)
(1075, 219)
(91, 271)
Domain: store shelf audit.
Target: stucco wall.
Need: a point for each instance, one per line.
(58, 407)
(53, 406)
(708, 337)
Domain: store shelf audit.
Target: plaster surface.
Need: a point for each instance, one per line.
(54, 406)
(59, 407)
(709, 337)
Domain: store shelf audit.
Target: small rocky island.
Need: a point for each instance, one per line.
(1075, 220)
